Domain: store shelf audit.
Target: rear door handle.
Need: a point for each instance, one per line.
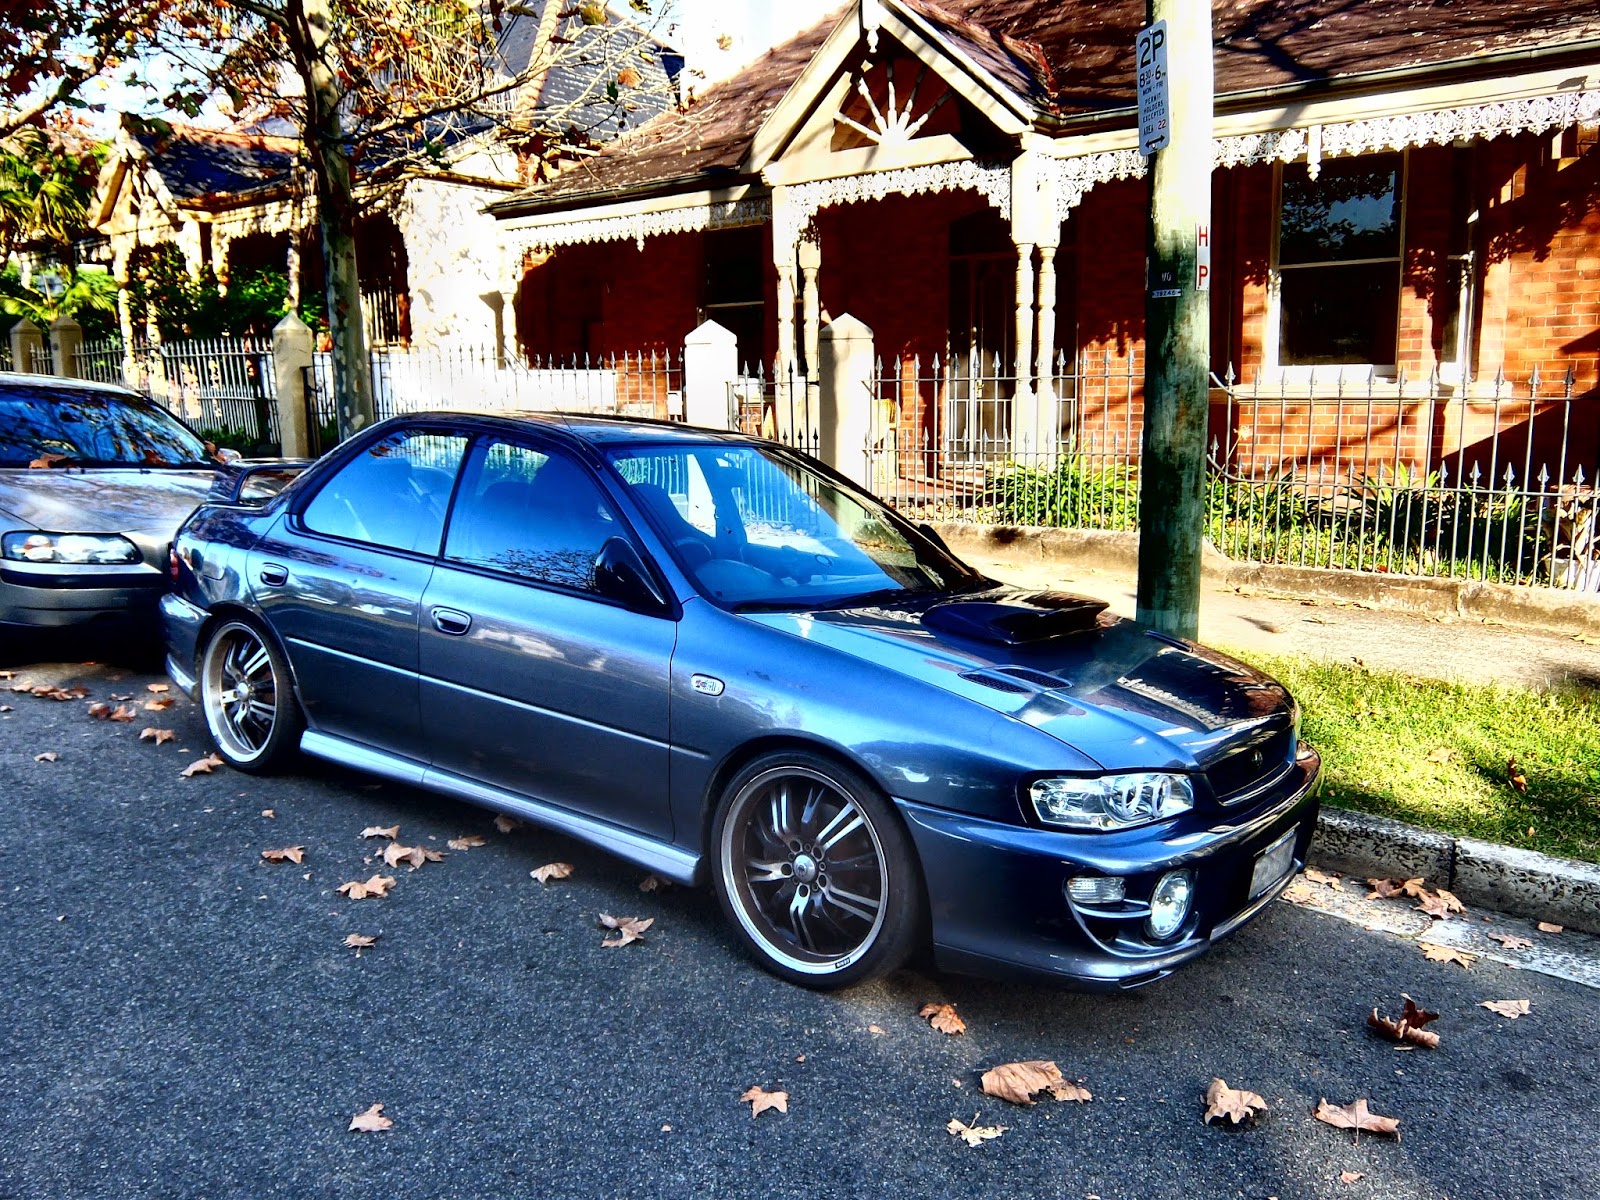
(452, 621)
(274, 576)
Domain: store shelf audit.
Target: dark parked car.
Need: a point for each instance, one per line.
(94, 481)
(719, 660)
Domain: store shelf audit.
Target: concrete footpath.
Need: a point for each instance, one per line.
(1318, 614)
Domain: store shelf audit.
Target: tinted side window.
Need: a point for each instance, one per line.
(392, 494)
(531, 514)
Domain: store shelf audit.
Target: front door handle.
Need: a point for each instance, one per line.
(274, 576)
(452, 621)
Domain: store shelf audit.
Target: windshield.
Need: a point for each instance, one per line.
(70, 427)
(757, 527)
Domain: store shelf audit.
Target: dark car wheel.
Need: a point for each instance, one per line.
(816, 872)
(247, 698)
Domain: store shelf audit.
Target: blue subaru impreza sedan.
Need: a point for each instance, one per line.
(714, 657)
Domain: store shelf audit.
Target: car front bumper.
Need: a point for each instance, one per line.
(38, 596)
(999, 906)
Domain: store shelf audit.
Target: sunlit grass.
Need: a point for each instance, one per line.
(1435, 754)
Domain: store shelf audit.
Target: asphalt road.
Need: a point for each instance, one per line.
(180, 1019)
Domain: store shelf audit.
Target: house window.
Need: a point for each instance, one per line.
(1339, 245)
(733, 294)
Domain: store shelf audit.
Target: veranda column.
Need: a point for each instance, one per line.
(1024, 420)
(810, 256)
(122, 254)
(784, 237)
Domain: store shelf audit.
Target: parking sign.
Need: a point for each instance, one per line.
(1150, 51)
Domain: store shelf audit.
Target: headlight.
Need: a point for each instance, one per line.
(1111, 801)
(1169, 904)
(100, 549)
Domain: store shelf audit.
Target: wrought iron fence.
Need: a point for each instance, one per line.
(224, 387)
(100, 361)
(646, 383)
(1481, 479)
(5, 354)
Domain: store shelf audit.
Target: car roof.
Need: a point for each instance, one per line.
(22, 381)
(595, 429)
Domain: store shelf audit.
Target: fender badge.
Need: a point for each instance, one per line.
(706, 685)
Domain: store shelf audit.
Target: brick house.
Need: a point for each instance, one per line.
(1406, 198)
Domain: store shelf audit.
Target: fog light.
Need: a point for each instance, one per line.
(1096, 889)
(1169, 904)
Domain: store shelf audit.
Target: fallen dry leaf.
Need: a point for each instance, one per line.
(1510, 940)
(1233, 1104)
(1515, 777)
(158, 687)
(654, 883)
(1322, 877)
(47, 756)
(1447, 954)
(506, 824)
(1442, 755)
(551, 871)
(1355, 1116)
(1550, 927)
(124, 712)
(1019, 1082)
(361, 941)
(160, 703)
(1415, 887)
(1351, 1176)
(100, 711)
(384, 831)
(760, 1100)
(202, 766)
(1409, 1028)
(1507, 1008)
(974, 1134)
(944, 1018)
(1298, 892)
(294, 854)
(628, 929)
(394, 854)
(269, 813)
(466, 842)
(1385, 889)
(47, 460)
(1439, 905)
(159, 736)
(376, 885)
(371, 1121)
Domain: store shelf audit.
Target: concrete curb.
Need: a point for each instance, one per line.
(1528, 607)
(1522, 882)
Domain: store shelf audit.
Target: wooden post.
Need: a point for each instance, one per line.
(1177, 333)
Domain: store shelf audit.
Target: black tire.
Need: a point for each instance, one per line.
(815, 871)
(247, 698)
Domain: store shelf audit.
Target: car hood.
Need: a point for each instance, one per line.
(131, 500)
(1120, 693)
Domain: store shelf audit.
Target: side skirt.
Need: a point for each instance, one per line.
(665, 860)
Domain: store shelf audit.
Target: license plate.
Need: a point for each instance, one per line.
(1276, 861)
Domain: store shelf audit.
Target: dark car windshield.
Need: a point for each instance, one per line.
(77, 427)
(757, 527)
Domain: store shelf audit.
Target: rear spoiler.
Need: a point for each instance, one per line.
(254, 480)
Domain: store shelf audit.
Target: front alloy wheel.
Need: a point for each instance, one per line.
(247, 699)
(816, 872)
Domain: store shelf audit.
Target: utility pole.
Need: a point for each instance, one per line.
(1174, 60)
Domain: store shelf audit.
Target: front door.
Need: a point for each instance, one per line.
(530, 680)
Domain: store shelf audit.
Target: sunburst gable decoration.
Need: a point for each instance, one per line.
(891, 103)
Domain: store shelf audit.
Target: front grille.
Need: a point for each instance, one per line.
(1250, 769)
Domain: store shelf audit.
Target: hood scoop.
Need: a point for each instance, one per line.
(1016, 619)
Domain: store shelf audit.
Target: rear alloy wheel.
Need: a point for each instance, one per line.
(816, 872)
(247, 698)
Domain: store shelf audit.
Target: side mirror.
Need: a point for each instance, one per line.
(932, 534)
(620, 575)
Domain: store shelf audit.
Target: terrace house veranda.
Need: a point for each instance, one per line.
(1405, 248)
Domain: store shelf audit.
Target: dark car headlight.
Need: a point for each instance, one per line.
(1111, 801)
(77, 549)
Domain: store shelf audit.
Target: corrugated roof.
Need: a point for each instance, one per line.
(1075, 57)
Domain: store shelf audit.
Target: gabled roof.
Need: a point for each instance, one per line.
(204, 166)
(1072, 60)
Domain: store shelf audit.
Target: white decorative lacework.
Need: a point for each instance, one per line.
(638, 226)
(993, 183)
(1075, 176)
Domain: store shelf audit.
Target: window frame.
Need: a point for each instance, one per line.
(1272, 339)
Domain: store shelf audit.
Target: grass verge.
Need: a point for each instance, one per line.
(1435, 754)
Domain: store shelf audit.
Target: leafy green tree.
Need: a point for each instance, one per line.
(87, 296)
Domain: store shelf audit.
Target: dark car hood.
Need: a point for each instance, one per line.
(133, 500)
(1117, 691)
